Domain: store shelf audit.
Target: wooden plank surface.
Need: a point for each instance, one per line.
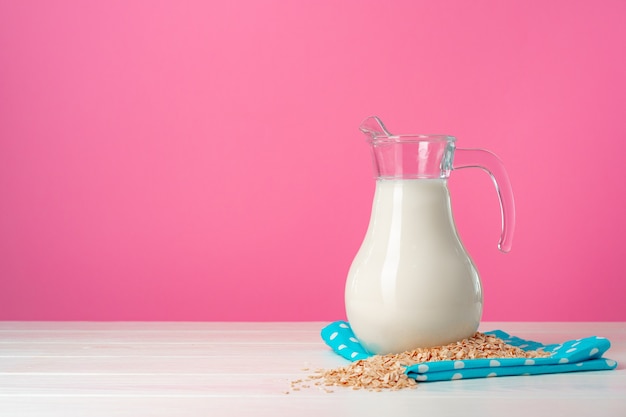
(201, 369)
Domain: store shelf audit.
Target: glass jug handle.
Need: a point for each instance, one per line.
(490, 163)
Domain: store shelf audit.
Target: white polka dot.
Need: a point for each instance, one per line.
(579, 364)
(570, 350)
(557, 347)
(459, 365)
(332, 336)
(494, 363)
(529, 362)
(422, 377)
(593, 351)
(563, 360)
(457, 376)
(600, 337)
(341, 347)
(492, 374)
(609, 362)
(422, 368)
(353, 354)
(343, 325)
(576, 344)
(353, 339)
(522, 346)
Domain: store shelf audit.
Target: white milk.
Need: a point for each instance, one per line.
(412, 283)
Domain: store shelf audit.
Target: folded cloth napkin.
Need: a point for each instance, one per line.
(574, 355)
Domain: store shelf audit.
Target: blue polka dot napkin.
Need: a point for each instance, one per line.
(574, 355)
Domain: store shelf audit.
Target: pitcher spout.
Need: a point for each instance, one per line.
(374, 128)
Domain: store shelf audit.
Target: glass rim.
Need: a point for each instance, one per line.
(412, 138)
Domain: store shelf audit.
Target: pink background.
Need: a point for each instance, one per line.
(201, 160)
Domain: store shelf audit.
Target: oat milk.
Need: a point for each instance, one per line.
(412, 284)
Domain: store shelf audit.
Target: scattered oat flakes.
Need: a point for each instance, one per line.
(387, 372)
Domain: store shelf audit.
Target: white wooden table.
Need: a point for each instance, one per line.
(231, 369)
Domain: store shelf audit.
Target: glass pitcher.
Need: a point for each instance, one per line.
(412, 284)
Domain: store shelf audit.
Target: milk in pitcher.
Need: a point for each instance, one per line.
(412, 284)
